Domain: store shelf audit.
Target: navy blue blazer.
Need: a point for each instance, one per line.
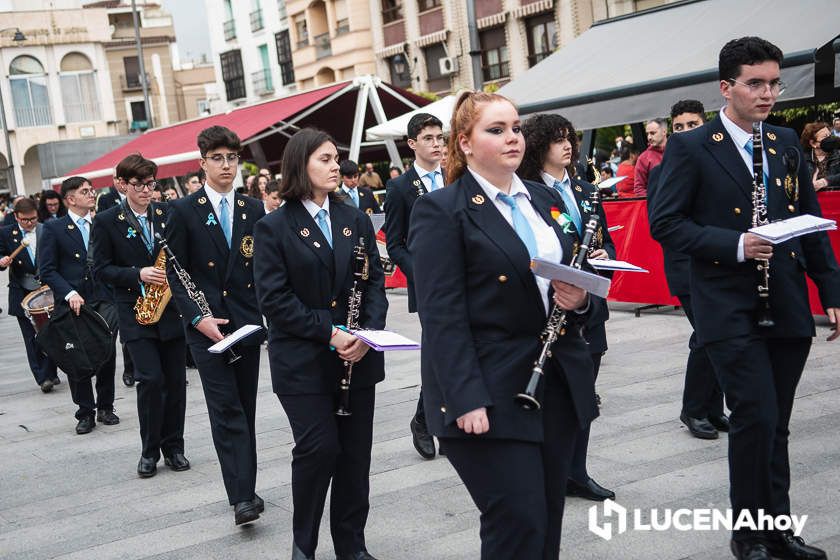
(119, 254)
(367, 201)
(64, 262)
(702, 206)
(107, 198)
(482, 314)
(677, 265)
(303, 287)
(400, 195)
(225, 274)
(10, 238)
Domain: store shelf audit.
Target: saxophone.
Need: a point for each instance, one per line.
(150, 306)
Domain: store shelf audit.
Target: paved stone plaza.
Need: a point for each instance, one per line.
(78, 497)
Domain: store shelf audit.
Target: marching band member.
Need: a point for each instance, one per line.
(304, 272)
(360, 197)
(23, 280)
(222, 267)
(482, 311)
(63, 252)
(551, 148)
(425, 138)
(125, 255)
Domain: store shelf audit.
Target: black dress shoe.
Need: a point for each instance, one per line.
(699, 427)
(258, 503)
(783, 544)
(245, 512)
(128, 378)
(177, 462)
(361, 555)
(721, 423)
(590, 490)
(107, 417)
(297, 554)
(56, 380)
(423, 442)
(47, 386)
(147, 467)
(85, 425)
(749, 550)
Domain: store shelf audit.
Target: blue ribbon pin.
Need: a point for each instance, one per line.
(211, 220)
(586, 206)
(132, 233)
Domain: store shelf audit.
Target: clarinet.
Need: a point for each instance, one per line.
(763, 317)
(555, 327)
(196, 295)
(361, 273)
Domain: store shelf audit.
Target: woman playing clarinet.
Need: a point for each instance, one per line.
(482, 311)
(315, 257)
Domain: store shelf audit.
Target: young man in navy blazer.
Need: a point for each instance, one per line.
(703, 207)
(23, 280)
(360, 197)
(425, 138)
(66, 269)
(125, 252)
(222, 268)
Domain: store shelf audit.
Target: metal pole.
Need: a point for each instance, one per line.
(142, 64)
(475, 47)
(10, 169)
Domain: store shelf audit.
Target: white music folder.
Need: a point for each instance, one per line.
(592, 283)
(234, 337)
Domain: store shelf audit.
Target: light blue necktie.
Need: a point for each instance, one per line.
(321, 218)
(147, 237)
(571, 205)
(84, 231)
(29, 247)
(354, 194)
(520, 224)
(748, 147)
(224, 218)
(432, 175)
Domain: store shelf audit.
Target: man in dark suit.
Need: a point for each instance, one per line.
(703, 207)
(702, 408)
(105, 199)
(23, 280)
(360, 197)
(223, 269)
(125, 258)
(425, 138)
(9, 218)
(66, 269)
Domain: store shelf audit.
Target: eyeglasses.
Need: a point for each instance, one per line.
(85, 192)
(138, 187)
(777, 87)
(431, 140)
(27, 220)
(219, 159)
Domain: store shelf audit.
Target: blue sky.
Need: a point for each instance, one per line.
(190, 27)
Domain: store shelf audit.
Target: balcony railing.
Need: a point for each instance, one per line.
(230, 30)
(262, 82)
(342, 26)
(131, 82)
(139, 125)
(323, 47)
(303, 41)
(37, 115)
(256, 20)
(81, 112)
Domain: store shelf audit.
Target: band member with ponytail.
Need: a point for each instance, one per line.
(125, 253)
(707, 198)
(482, 311)
(304, 272)
(552, 147)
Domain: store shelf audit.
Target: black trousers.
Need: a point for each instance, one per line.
(330, 448)
(231, 395)
(128, 363)
(82, 391)
(759, 377)
(520, 487)
(161, 394)
(702, 396)
(578, 471)
(42, 367)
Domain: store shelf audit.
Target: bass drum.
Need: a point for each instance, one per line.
(38, 306)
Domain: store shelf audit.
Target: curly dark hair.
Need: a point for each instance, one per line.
(540, 132)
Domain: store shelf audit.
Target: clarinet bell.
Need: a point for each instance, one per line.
(526, 401)
(764, 320)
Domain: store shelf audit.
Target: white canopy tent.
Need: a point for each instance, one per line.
(396, 128)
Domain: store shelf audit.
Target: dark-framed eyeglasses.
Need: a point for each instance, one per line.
(138, 187)
(31, 220)
(219, 159)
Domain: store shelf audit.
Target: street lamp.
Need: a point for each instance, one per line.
(10, 170)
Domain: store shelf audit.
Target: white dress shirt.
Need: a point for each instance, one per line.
(740, 137)
(423, 173)
(548, 246)
(215, 198)
(75, 219)
(313, 210)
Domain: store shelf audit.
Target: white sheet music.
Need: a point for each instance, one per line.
(233, 338)
(781, 231)
(592, 283)
(609, 264)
